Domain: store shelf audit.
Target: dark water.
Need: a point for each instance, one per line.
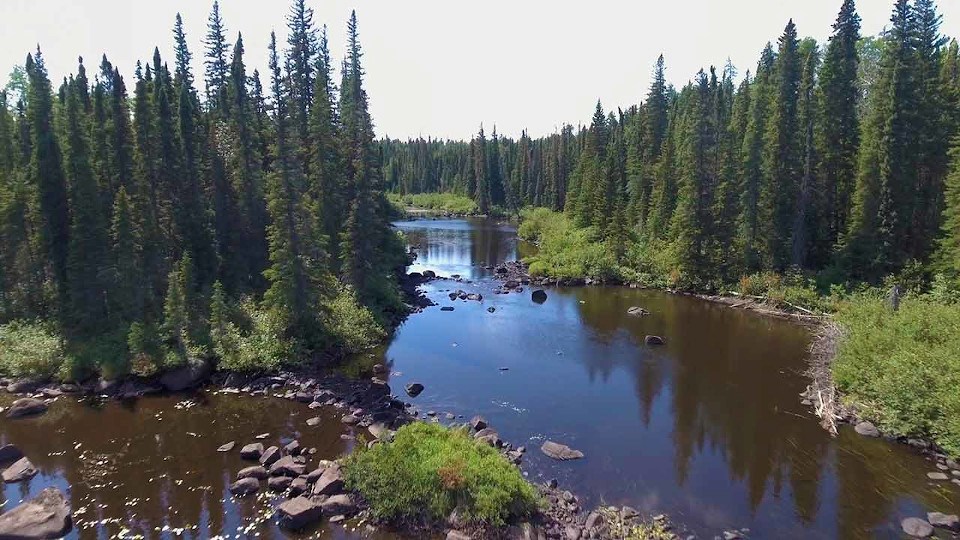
(708, 428)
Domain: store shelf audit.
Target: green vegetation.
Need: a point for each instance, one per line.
(442, 202)
(900, 368)
(429, 470)
(147, 229)
(30, 350)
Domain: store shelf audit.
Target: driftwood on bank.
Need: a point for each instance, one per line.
(822, 392)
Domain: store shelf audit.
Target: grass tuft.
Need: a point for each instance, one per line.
(429, 470)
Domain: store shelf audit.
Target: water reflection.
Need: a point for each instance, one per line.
(708, 427)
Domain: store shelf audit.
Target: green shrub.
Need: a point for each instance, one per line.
(29, 349)
(254, 342)
(429, 470)
(353, 326)
(902, 368)
(565, 251)
(443, 202)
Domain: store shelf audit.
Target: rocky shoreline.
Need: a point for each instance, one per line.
(313, 490)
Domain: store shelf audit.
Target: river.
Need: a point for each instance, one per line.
(708, 428)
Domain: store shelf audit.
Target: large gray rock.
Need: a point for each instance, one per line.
(45, 516)
(190, 375)
(256, 471)
(21, 470)
(560, 452)
(539, 296)
(478, 422)
(917, 527)
(287, 466)
(279, 483)
(9, 453)
(637, 311)
(330, 482)
(944, 521)
(270, 456)
(338, 505)
(26, 407)
(252, 451)
(298, 513)
(867, 429)
(245, 486)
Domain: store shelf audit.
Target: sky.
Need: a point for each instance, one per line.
(440, 68)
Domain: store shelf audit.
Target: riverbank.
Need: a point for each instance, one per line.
(368, 406)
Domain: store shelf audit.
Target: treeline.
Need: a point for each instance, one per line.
(175, 222)
(831, 159)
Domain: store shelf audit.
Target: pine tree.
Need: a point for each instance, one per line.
(294, 272)
(838, 137)
(46, 173)
(480, 164)
(216, 56)
(948, 250)
(325, 162)
(176, 318)
(879, 239)
(303, 44)
(182, 74)
(749, 224)
(126, 294)
(805, 233)
(87, 309)
(781, 154)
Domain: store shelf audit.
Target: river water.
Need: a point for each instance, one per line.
(708, 428)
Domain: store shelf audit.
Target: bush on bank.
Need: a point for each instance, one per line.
(429, 470)
(441, 202)
(902, 368)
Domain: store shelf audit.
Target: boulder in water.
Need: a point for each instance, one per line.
(867, 429)
(192, 374)
(26, 407)
(917, 527)
(539, 296)
(245, 486)
(21, 470)
(414, 389)
(637, 311)
(298, 512)
(560, 452)
(654, 340)
(45, 516)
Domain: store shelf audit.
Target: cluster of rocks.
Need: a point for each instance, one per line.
(925, 528)
(311, 495)
(190, 375)
(45, 516)
(514, 274)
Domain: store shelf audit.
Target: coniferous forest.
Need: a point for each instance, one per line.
(152, 218)
(827, 160)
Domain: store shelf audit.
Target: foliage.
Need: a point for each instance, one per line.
(252, 339)
(353, 326)
(30, 349)
(450, 203)
(901, 368)
(565, 250)
(429, 470)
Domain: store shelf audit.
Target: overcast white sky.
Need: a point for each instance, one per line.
(441, 67)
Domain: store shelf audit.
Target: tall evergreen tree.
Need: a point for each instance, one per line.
(838, 137)
(46, 173)
(216, 55)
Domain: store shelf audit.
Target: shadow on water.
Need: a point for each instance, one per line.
(707, 428)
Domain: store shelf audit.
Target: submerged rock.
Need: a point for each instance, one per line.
(26, 407)
(944, 521)
(560, 452)
(917, 527)
(21, 470)
(9, 453)
(653, 340)
(539, 296)
(446, 308)
(637, 311)
(226, 447)
(867, 429)
(45, 516)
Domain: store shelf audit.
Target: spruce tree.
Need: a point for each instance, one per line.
(805, 231)
(217, 49)
(325, 160)
(838, 136)
(781, 153)
(126, 294)
(46, 173)
(948, 250)
(87, 310)
(480, 168)
(302, 40)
